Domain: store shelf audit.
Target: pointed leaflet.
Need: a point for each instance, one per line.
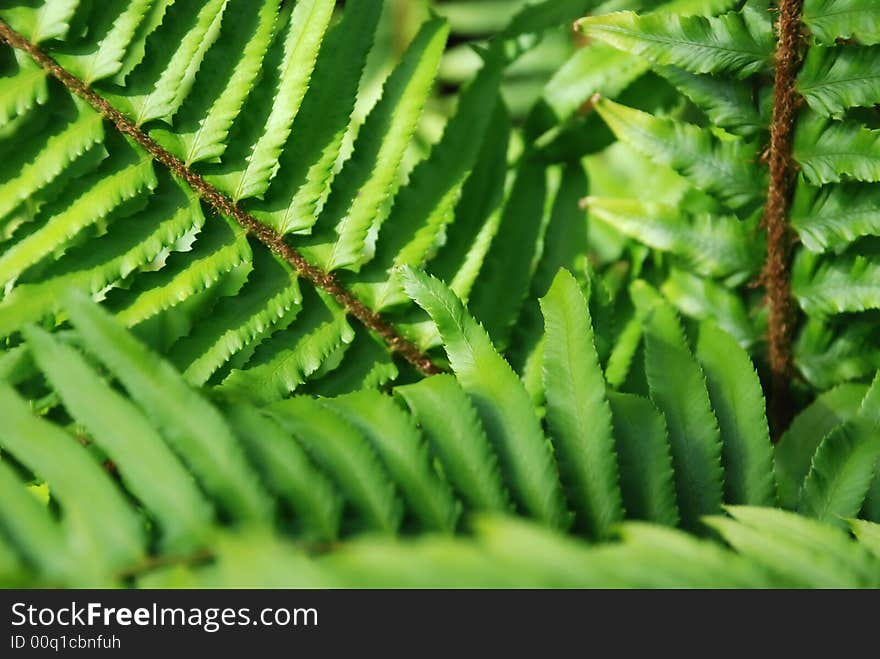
(506, 273)
(449, 421)
(32, 529)
(738, 402)
(291, 356)
(794, 452)
(130, 243)
(98, 515)
(306, 28)
(469, 237)
(174, 54)
(830, 20)
(139, 453)
(344, 453)
(425, 205)
(402, 450)
(845, 465)
(500, 398)
(60, 149)
(192, 426)
(219, 248)
(365, 188)
(678, 388)
(835, 151)
(270, 294)
(577, 411)
(51, 20)
(125, 175)
(135, 49)
(306, 166)
(802, 551)
(20, 91)
(833, 80)
(723, 168)
(847, 283)
(734, 43)
(729, 104)
(642, 445)
(713, 245)
(834, 215)
(289, 472)
(229, 72)
(109, 35)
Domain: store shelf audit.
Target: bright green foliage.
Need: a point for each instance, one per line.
(499, 397)
(739, 44)
(577, 412)
(678, 388)
(536, 209)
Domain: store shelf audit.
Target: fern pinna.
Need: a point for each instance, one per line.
(200, 169)
(775, 129)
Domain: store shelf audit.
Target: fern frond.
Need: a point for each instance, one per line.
(794, 453)
(500, 398)
(842, 284)
(832, 152)
(646, 475)
(801, 551)
(725, 168)
(360, 200)
(734, 43)
(459, 441)
(139, 453)
(737, 400)
(345, 453)
(833, 80)
(830, 20)
(678, 388)
(193, 428)
(835, 215)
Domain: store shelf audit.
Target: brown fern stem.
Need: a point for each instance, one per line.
(226, 206)
(777, 268)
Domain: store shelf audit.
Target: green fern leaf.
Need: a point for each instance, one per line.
(678, 388)
(738, 44)
(139, 453)
(844, 466)
(425, 206)
(193, 428)
(500, 398)
(57, 152)
(794, 452)
(830, 20)
(725, 169)
(835, 215)
(578, 414)
(306, 167)
(843, 284)
(98, 515)
(832, 152)
(802, 551)
(289, 472)
(458, 441)
(364, 189)
(202, 125)
(157, 88)
(833, 80)
(712, 245)
(348, 458)
(123, 176)
(34, 532)
(646, 477)
(868, 534)
(23, 89)
(400, 447)
(738, 403)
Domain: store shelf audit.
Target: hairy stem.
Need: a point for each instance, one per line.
(777, 268)
(225, 206)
